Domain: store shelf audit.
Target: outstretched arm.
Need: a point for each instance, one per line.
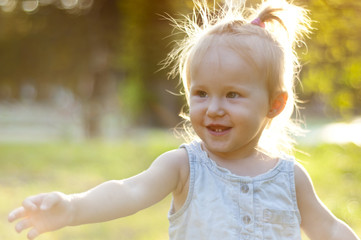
(113, 199)
(317, 221)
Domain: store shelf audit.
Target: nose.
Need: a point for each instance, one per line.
(215, 108)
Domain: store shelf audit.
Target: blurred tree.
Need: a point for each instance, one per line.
(94, 50)
(102, 50)
(144, 43)
(62, 45)
(333, 59)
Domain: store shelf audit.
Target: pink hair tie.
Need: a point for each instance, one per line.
(258, 22)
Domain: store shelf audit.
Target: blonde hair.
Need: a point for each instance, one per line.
(270, 49)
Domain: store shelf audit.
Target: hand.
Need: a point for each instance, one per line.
(43, 213)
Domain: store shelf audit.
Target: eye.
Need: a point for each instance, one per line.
(201, 94)
(233, 95)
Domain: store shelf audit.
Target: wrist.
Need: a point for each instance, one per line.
(72, 203)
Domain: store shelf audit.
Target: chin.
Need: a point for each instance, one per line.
(218, 147)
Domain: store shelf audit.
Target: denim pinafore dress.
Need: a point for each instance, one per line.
(224, 206)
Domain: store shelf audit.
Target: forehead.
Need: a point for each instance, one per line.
(220, 62)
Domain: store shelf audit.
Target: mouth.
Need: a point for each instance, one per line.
(216, 129)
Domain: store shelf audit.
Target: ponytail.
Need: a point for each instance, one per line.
(279, 13)
(287, 24)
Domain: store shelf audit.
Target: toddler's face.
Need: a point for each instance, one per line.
(229, 103)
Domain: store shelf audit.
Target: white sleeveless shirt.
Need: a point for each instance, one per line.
(224, 206)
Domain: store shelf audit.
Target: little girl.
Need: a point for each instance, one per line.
(233, 181)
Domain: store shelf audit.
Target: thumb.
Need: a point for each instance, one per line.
(49, 201)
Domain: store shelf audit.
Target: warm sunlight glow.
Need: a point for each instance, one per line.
(30, 5)
(3, 2)
(8, 5)
(68, 4)
(343, 132)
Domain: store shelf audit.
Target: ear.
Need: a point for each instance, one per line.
(277, 104)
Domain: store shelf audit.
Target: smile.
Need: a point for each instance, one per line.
(218, 129)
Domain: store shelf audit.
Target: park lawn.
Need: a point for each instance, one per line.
(30, 168)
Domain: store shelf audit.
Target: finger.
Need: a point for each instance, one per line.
(32, 203)
(29, 205)
(24, 224)
(33, 233)
(16, 214)
(49, 201)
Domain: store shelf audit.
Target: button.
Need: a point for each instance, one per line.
(246, 219)
(245, 188)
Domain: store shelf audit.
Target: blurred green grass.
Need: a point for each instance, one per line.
(28, 169)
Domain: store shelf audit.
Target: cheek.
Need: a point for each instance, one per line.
(248, 114)
(195, 109)
(194, 115)
(195, 120)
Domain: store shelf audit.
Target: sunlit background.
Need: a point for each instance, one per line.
(76, 69)
(88, 71)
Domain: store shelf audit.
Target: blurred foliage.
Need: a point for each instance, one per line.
(52, 48)
(335, 172)
(333, 59)
(144, 43)
(105, 54)
(109, 52)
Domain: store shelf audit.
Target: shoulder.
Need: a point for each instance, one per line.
(178, 161)
(305, 191)
(174, 158)
(174, 162)
(307, 199)
(302, 178)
